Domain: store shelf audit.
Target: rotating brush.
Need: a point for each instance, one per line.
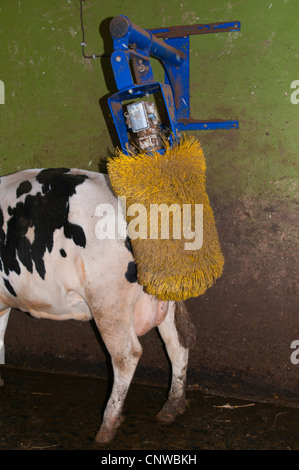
(175, 267)
(155, 170)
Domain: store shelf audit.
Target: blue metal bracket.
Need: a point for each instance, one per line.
(133, 47)
(137, 92)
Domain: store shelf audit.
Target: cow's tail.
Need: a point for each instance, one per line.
(185, 328)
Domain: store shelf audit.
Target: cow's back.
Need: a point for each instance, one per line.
(52, 262)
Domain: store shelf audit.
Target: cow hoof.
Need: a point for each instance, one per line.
(171, 410)
(165, 418)
(106, 434)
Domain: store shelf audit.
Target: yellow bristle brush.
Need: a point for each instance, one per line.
(177, 267)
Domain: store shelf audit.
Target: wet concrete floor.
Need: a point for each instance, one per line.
(45, 411)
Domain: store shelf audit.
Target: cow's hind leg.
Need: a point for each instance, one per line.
(178, 334)
(3, 325)
(125, 350)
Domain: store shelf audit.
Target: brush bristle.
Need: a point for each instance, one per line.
(165, 268)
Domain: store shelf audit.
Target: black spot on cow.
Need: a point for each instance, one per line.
(75, 232)
(128, 244)
(131, 273)
(58, 175)
(24, 188)
(63, 253)
(45, 212)
(9, 287)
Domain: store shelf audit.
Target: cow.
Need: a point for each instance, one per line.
(53, 265)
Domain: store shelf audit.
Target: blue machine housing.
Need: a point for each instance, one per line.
(133, 47)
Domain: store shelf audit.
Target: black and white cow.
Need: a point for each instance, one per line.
(53, 266)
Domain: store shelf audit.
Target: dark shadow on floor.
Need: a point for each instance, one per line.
(45, 411)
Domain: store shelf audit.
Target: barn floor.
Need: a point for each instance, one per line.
(44, 411)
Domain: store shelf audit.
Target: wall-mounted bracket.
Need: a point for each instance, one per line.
(133, 47)
(179, 77)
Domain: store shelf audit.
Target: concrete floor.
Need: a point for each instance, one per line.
(45, 411)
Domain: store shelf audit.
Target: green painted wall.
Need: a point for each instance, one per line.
(55, 115)
(52, 115)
